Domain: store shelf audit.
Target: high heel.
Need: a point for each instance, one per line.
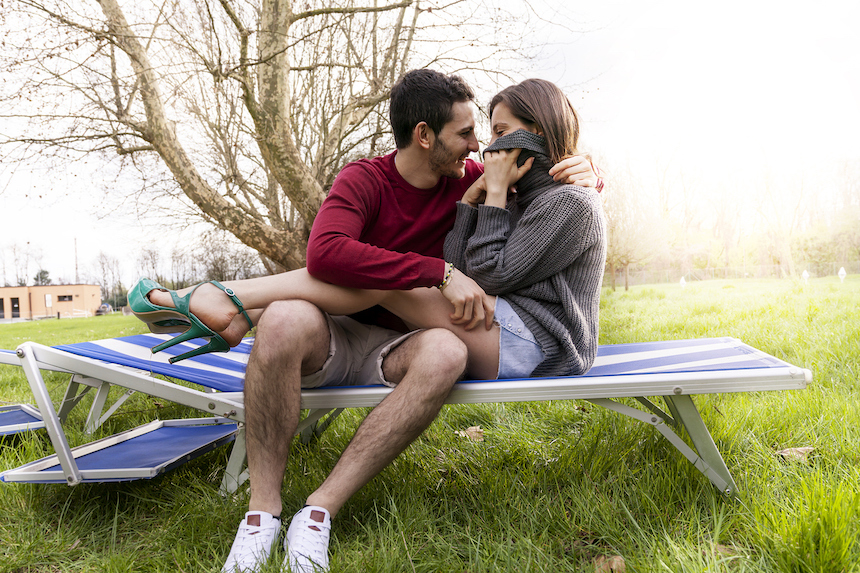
(197, 330)
(168, 326)
(167, 319)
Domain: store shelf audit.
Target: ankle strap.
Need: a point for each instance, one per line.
(229, 292)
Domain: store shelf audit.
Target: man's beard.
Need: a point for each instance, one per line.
(441, 159)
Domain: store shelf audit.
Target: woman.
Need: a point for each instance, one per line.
(541, 250)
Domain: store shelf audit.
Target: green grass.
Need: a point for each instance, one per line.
(552, 487)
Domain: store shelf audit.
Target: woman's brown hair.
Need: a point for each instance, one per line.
(543, 103)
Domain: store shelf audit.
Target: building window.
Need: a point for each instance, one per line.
(64, 298)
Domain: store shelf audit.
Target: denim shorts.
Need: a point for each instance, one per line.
(519, 352)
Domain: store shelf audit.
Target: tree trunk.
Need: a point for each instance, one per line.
(278, 245)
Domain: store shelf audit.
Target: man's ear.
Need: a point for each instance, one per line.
(423, 135)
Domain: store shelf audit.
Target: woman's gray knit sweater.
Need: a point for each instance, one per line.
(544, 254)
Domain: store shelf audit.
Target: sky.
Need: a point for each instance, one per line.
(722, 91)
(719, 86)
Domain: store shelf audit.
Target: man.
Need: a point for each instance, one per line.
(382, 227)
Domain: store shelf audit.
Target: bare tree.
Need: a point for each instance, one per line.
(223, 259)
(149, 265)
(183, 269)
(631, 223)
(4, 281)
(21, 263)
(781, 207)
(110, 276)
(237, 112)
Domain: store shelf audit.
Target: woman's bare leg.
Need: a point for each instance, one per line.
(420, 308)
(218, 312)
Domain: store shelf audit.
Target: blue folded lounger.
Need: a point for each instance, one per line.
(673, 370)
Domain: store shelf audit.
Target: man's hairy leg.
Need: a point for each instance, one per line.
(292, 340)
(425, 368)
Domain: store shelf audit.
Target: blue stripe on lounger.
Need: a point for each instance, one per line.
(722, 359)
(684, 356)
(235, 359)
(153, 448)
(219, 372)
(630, 347)
(11, 417)
(225, 371)
(14, 418)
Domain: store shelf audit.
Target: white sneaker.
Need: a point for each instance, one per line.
(254, 541)
(307, 541)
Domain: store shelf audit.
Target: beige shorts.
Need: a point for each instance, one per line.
(355, 354)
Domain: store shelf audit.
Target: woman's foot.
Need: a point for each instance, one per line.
(210, 305)
(238, 328)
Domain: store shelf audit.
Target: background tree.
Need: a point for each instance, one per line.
(149, 265)
(236, 113)
(109, 275)
(632, 224)
(20, 262)
(42, 278)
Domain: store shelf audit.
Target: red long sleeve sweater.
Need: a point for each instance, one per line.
(376, 231)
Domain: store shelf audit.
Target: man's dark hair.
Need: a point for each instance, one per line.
(424, 95)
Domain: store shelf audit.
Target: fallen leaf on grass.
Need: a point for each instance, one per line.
(474, 433)
(796, 454)
(614, 564)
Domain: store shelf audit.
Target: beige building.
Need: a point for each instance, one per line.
(65, 301)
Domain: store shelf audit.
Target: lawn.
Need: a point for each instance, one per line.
(555, 486)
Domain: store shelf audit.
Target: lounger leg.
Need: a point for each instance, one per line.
(653, 408)
(717, 477)
(311, 426)
(233, 474)
(95, 418)
(49, 415)
(688, 416)
(71, 397)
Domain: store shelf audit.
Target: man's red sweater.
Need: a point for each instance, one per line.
(376, 231)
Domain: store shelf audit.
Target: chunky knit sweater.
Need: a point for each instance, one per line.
(544, 254)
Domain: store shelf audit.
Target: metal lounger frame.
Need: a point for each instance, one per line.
(674, 387)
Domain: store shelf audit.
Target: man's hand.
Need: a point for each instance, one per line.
(471, 304)
(576, 170)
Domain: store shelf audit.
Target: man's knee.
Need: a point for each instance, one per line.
(290, 318)
(293, 327)
(437, 355)
(447, 351)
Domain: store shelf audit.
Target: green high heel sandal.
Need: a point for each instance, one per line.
(166, 319)
(168, 326)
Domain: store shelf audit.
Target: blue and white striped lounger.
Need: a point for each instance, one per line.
(673, 370)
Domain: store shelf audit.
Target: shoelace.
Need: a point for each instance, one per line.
(252, 539)
(313, 543)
